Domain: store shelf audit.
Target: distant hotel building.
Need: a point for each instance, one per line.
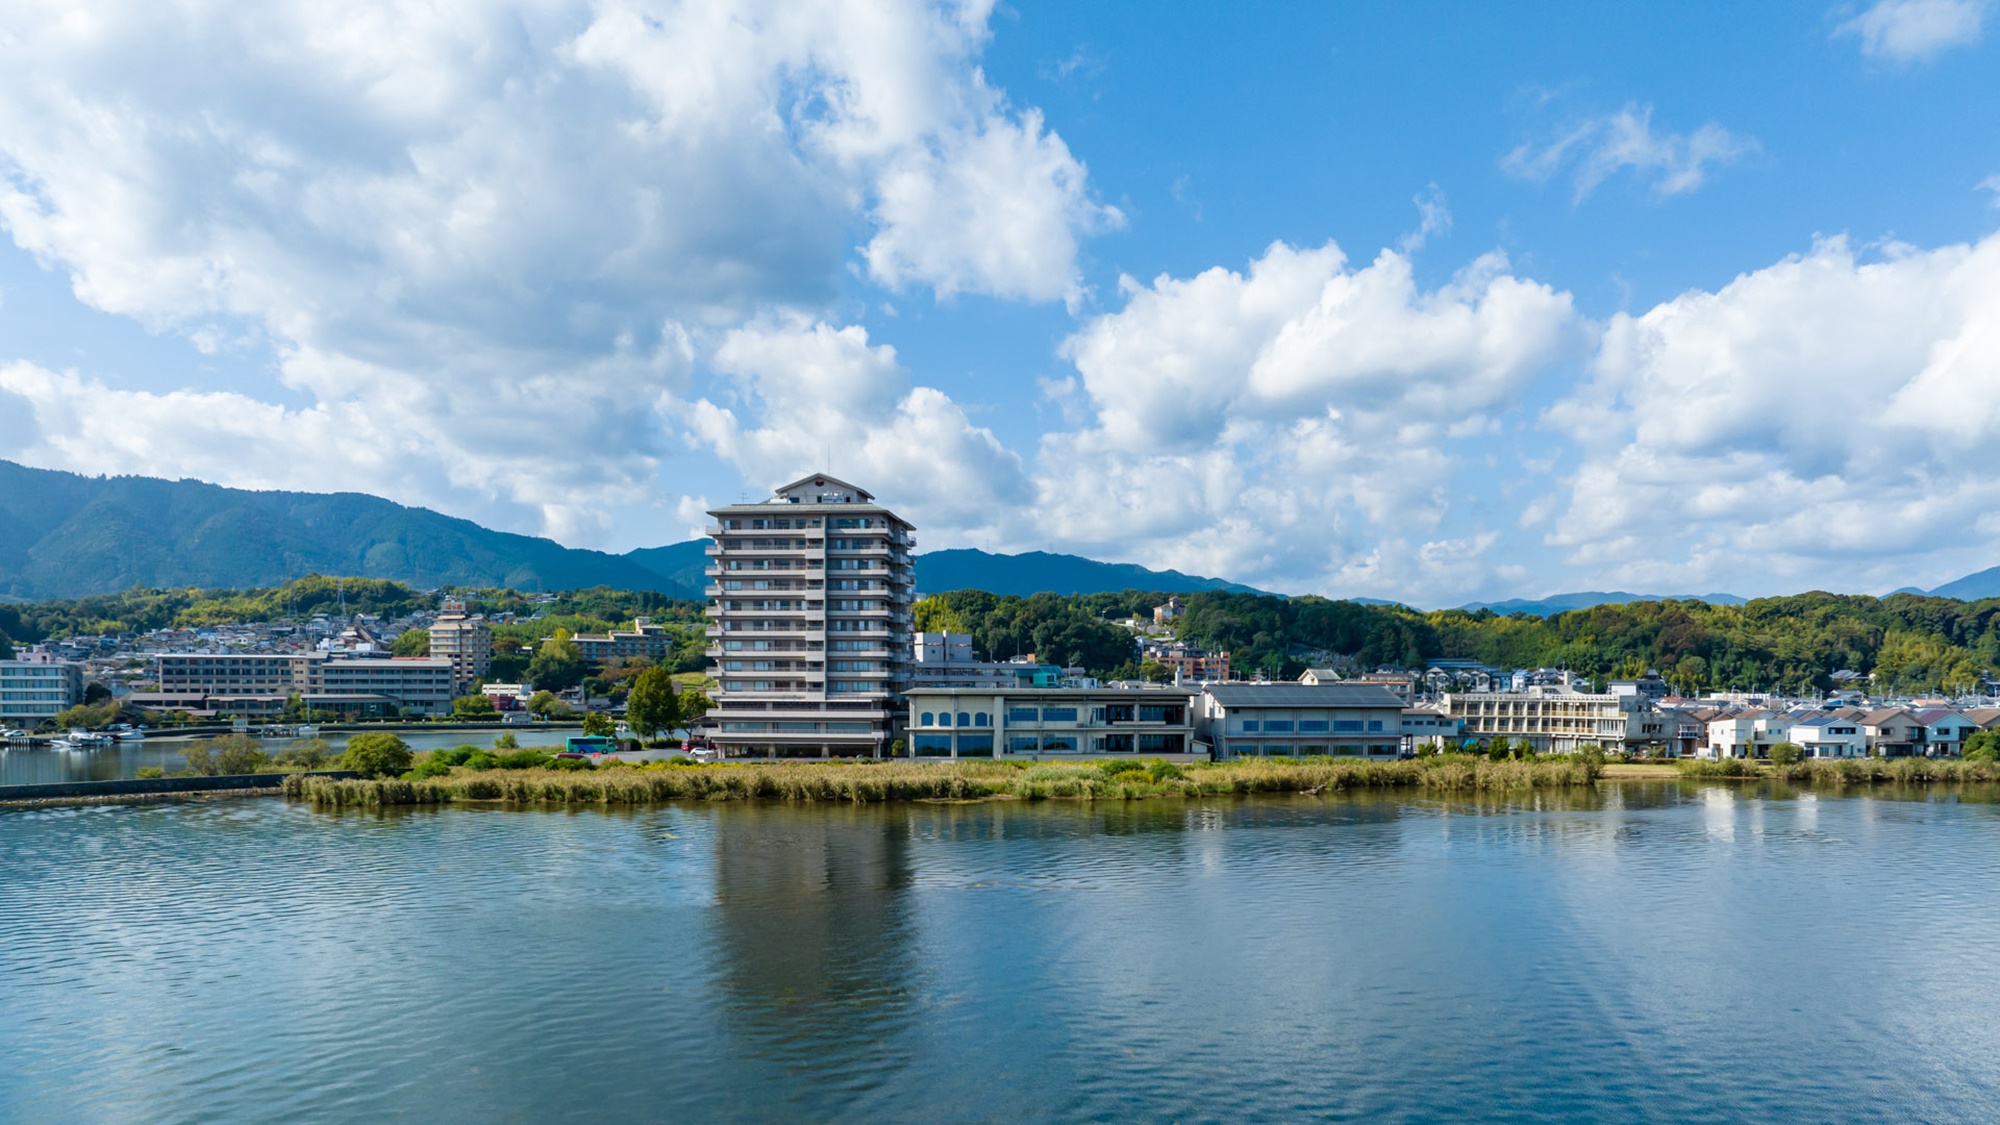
(35, 686)
(644, 639)
(259, 684)
(465, 641)
(809, 622)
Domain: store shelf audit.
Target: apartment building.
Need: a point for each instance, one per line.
(1146, 720)
(1301, 720)
(466, 640)
(809, 622)
(1551, 719)
(35, 686)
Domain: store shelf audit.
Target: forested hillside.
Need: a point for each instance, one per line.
(1909, 642)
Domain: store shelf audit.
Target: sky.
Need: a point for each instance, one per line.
(1426, 301)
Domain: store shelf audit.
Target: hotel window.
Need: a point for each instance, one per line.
(1058, 714)
(926, 720)
(1375, 724)
(982, 719)
(1347, 724)
(1022, 715)
(965, 718)
(944, 718)
(1312, 726)
(1247, 726)
(1277, 726)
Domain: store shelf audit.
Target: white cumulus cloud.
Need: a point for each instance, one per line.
(808, 396)
(1819, 421)
(1293, 422)
(469, 219)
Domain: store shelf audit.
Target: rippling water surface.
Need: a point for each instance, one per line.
(1654, 953)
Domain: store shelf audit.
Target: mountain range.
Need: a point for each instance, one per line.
(63, 535)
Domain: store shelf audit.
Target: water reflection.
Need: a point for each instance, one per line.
(811, 937)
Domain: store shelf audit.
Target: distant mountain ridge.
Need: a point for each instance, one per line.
(1563, 603)
(1972, 587)
(965, 568)
(63, 535)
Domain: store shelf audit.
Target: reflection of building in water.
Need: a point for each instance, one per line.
(811, 915)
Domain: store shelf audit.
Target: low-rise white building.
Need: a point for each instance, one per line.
(1024, 722)
(1829, 736)
(35, 686)
(1553, 720)
(1302, 720)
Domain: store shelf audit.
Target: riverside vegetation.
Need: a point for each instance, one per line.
(867, 782)
(1842, 772)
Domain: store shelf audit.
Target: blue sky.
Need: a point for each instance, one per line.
(1425, 301)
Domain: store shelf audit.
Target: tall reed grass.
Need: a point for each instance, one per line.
(1841, 772)
(960, 780)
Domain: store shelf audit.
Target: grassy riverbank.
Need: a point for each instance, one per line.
(961, 780)
(1839, 772)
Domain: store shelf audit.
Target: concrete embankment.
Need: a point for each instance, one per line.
(64, 791)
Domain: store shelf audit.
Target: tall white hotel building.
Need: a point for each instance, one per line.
(809, 623)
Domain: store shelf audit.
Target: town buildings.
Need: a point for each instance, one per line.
(809, 622)
(1188, 663)
(37, 685)
(464, 640)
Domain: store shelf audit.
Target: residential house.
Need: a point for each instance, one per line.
(1893, 733)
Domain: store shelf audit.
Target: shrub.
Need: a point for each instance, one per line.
(522, 760)
(305, 754)
(377, 755)
(1165, 771)
(507, 742)
(570, 764)
(147, 773)
(480, 760)
(1786, 753)
(432, 766)
(232, 753)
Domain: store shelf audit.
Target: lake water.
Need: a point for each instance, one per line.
(22, 765)
(1651, 952)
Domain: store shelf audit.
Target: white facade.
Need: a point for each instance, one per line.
(1154, 721)
(1302, 720)
(1551, 719)
(1830, 738)
(809, 622)
(35, 686)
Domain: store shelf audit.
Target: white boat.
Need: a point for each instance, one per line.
(307, 731)
(64, 744)
(80, 739)
(129, 735)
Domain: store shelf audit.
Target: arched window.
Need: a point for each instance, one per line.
(982, 719)
(944, 718)
(925, 719)
(964, 718)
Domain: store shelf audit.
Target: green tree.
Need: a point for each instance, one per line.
(86, 715)
(6, 648)
(411, 642)
(294, 710)
(694, 704)
(652, 705)
(229, 754)
(95, 693)
(507, 742)
(376, 755)
(558, 663)
(545, 704)
(1154, 672)
(1983, 747)
(1786, 753)
(597, 724)
(473, 707)
(305, 754)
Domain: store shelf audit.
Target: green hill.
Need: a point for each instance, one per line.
(64, 535)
